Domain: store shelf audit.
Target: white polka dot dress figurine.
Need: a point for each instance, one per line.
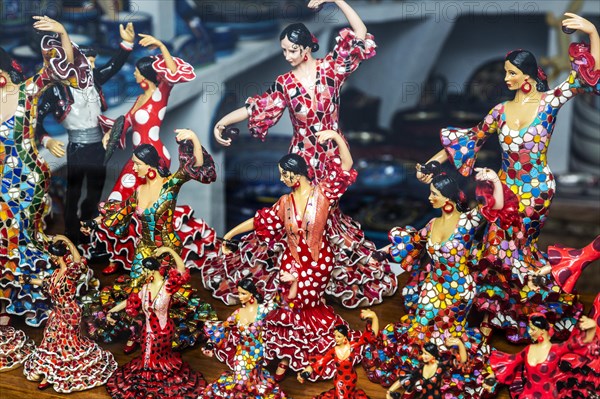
(156, 76)
(295, 236)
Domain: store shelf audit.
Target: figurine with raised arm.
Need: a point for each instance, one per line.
(524, 127)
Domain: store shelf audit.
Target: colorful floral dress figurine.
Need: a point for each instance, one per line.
(239, 343)
(311, 93)
(156, 76)
(158, 372)
(533, 373)
(15, 348)
(509, 255)
(298, 235)
(25, 175)
(580, 372)
(342, 358)
(65, 359)
(440, 295)
(155, 213)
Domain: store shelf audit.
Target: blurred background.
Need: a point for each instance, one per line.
(439, 64)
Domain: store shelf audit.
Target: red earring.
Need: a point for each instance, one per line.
(251, 300)
(305, 57)
(3, 81)
(448, 207)
(151, 174)
(540, 339)
(296, 184)
(144, 85)
(526, 87)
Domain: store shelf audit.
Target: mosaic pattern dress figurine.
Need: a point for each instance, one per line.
(440, 295)
(15, 348)
(311, 93)
(156, 76)
(153, 203)
(533, 372)
(343, 357)
(158, 372)
(298, 235)
(25, 175)
(524, 127)
(65, 359)
(239, 343)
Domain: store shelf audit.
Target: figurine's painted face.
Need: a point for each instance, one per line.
(339, 338)
(92, 62)
(244, 295)
(513, 77)
(436, 198)
(534, 331)
(140, 167)
(293, 53)
(138, 75)
(427, 357)
(286, 177)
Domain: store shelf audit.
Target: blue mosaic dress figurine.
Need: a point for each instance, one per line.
(25, 175)
(524, 127)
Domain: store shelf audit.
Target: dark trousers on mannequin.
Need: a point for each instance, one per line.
(84, 161)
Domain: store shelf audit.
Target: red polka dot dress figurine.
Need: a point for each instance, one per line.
(65, 359)
(156, 75)
(533, 373)
(524, 127)
(297, 235)
(152, 208)
(311, 94)
(158, 372)
(346, 353)
(239, 343)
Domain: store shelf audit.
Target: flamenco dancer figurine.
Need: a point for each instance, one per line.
(153, 204)
(580, 372)
(65, 359)
(156, 76)
(532, 372)
(239, 343)
(311, 93)
(25, 175)
(343, 357)
(439, 295)
(427, 380)
(524, 127)
(78, 110)
(297, 235)
(158, 372)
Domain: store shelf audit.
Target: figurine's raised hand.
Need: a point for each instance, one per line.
(186, 134)
(486, 174)
(158, 252)
(127, 32)
(286, 277)
(585, 323)
(422, 177)
(149, 41)
(47, 24)
(56, 148)
(452, 341)
(218, 133)
(326, 135)
(316, 4)
(367, 314)
(579, 23)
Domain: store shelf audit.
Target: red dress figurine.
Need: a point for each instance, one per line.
(343, 357)
(533, 372)
(159, 373)
(65, 359)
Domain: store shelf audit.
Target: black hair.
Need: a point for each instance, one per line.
(299, 34)
(294, 163)
(342, 329)
(58, 248)
(144, 65)
(7, 64)
(249, 286)
(526, 62)
(148, 154)
(151, 263)
(445, 184)
(540, 321)
(88, 51)
(432, 349)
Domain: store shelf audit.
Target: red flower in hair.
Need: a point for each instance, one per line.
(314, 38)
(541, 74)
(16, 66)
